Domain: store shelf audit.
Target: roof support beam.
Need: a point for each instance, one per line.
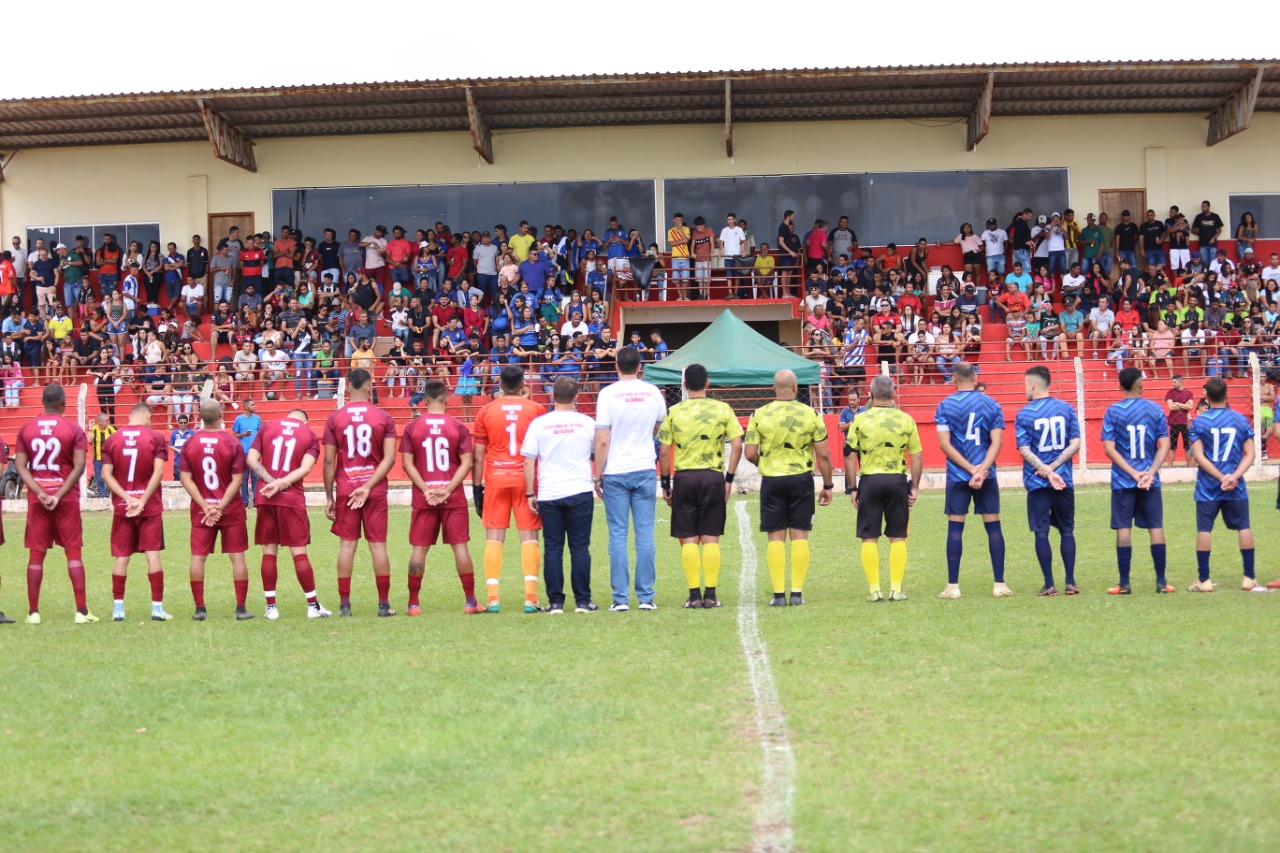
(1235, 114)
(481, 137)
(980, 116)
(728, 117)
(229, 144)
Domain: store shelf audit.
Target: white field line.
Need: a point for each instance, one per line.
(778, 785)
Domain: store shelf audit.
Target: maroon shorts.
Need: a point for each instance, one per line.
(131, 536)
(60, 527)
(282, 525)
(235, 536)
(426, 525)
(371, 518)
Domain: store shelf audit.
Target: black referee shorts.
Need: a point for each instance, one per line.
(882, 506)
(786, 503)
(697, 504)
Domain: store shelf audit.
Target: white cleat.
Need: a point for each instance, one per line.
(1001, 591)
(318, 612)
(952, 591)
(273, 613)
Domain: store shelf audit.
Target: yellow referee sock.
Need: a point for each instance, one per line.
(711, 564)
(799, 563)
(775, 554)
(871, 565)
(690, 560)
(897, 565)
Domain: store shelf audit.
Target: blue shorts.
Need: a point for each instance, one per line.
(1137, 508)
(995, 264)
(1155, 257)
(1051, 508)
(1235, 515)
(986, 501)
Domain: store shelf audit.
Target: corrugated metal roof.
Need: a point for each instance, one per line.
(907, 92)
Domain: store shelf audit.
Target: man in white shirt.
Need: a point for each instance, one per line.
(557, 450)
(193, 297)
(375, 258)
(275, 363)
(1073, 282)
(993, 239)
(731, 239)
(19, 260)
(1271, 272)
(628, 414)
(573, 325)
(1100, 320)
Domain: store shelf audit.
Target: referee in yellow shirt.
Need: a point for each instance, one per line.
(691, 441)
(783, 439)
(879, 441)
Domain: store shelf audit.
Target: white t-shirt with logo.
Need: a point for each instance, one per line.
(1270, 273)
(994, 240)
(630, 409)
(562, 443)
(732, 240)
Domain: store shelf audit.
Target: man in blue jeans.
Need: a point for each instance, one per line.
(245, 427)
(628, 414)
(557, 449)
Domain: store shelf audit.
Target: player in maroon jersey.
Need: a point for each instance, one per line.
(212, 466)
(359, 449)
(282, 455)
(436, 453)
(133, 463)
(50, 460)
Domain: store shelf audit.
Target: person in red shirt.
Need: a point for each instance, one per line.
(50, 459)
(816, 245)
(212, 466)
(283, 251)
(282, 454)
(252, 258)
(400, 256)
(1012, 299)
(436, 453)
(133, 463)
(359, 449)
(457, 258)
(1128, 317)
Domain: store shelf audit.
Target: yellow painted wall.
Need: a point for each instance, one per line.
(178, 184)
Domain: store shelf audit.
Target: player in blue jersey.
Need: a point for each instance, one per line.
(1222, 441)
(1135, 436)
(1048, 435)
(971, 431)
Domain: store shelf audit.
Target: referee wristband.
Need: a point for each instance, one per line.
(826, 487)
(666, 484)
(728, 476)
(848, 490)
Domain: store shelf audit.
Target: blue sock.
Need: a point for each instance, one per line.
(1158, 557)
(1067, 547)
(1202, 564)
(1247, 555)
(955, 548)
(1044, 553)
(1124, 558)
(995, 544)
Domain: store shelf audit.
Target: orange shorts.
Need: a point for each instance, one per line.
(500, 502)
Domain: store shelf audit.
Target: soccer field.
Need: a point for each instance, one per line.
(1084, 723)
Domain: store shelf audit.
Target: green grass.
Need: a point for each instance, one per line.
(1072, 723)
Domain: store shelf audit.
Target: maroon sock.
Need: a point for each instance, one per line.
(468, 585)
(269, 577)
(344, 590)
(197, 593)
(415, 588)
(35, 577)
(242, 593)
(117, 587)
(157, 586)
(75, 571)
(306, 577)
(384, 588)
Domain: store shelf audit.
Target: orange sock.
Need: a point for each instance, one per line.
(492, 567)
(530, 562)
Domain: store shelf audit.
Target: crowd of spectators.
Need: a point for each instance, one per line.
(282, 314)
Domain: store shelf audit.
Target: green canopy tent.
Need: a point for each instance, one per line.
(735, 356)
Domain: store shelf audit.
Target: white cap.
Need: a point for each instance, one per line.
(60, 246)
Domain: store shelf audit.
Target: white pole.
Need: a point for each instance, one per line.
(82, 416)
(340, 396)
(1255, 387)
(1084, 439)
